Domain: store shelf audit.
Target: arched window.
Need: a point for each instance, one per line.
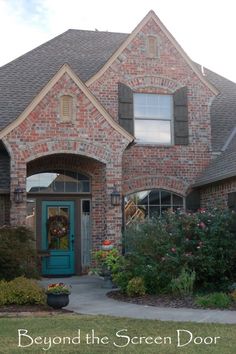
(150, 203)
(59, 181)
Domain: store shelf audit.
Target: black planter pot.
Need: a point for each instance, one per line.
(57, 301)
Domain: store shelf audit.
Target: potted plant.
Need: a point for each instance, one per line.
(58, 295)
(105, 261)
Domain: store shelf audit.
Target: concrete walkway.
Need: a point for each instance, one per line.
(89, 297)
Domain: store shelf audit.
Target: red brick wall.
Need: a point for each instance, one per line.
(89, 135)
(216, 194)
(148, 166)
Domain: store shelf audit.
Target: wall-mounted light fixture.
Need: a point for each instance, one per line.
(18, 195)
(115, 197)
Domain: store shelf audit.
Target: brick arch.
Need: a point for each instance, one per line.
(69, 162)
(175, 185)
(48, 147)
(158, 82)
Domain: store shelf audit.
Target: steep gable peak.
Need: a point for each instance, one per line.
(65, 69)
(151, 15)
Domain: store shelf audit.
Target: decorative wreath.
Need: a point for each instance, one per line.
(58, 225)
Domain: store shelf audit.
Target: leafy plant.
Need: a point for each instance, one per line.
(215, 300)
(203, 242)
(106, 260)
(21, 291)
(183, 285)
(58, 288)
(136, 287)
(17, 253)
(233, 295)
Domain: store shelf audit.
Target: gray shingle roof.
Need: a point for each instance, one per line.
(222, 167)
(86, 52)
(22, 79)
(223, 109)
(223, 123)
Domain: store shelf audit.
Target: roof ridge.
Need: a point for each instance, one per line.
(96, 31)
(32, 50)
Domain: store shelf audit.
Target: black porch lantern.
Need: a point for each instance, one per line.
(115, 197)
(18, 195)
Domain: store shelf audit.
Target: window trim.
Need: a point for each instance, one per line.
(171, 120)
(160, 205)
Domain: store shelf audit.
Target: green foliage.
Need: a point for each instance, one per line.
(58, 288)
(21, 291)
(106, 260)
(136, 287)
(17, 253)
(215, 300)
(233, 295)
(203, 242)
(183, 285)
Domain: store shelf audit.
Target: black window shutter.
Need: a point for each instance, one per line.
(232, 201)
(193, 201)
(125, 108)
(181, 116)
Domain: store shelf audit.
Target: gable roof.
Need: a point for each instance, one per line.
(151, 15)
(65, 69)
(88, 52)
(23, 78)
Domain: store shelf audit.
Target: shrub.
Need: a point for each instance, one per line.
(17, 253)
(21, 291)
(203, 242)
(233, 295)
(106, 260)
(215, 300)
(136, 287)
(183, 285)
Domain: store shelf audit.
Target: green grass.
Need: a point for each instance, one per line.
(104, 326)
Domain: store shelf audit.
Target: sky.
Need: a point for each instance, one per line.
(205, 29)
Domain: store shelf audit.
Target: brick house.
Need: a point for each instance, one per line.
(89, 117)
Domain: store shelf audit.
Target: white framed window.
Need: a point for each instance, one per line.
(153, 118)
(150, 203)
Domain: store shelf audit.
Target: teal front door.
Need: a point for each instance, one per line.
(58, 237)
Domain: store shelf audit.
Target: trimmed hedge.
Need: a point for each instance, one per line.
(21, 291)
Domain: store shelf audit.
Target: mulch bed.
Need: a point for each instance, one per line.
(160, 300)
(28, 309)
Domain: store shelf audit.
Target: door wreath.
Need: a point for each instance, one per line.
(58, 226)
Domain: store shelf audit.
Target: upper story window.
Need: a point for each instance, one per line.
(66, 108)
(153, 117)
(152, 47)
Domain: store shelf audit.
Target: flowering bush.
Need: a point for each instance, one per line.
(58, 288)
(204, 242)
(106, 260)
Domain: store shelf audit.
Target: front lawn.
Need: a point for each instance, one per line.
(107, 331)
